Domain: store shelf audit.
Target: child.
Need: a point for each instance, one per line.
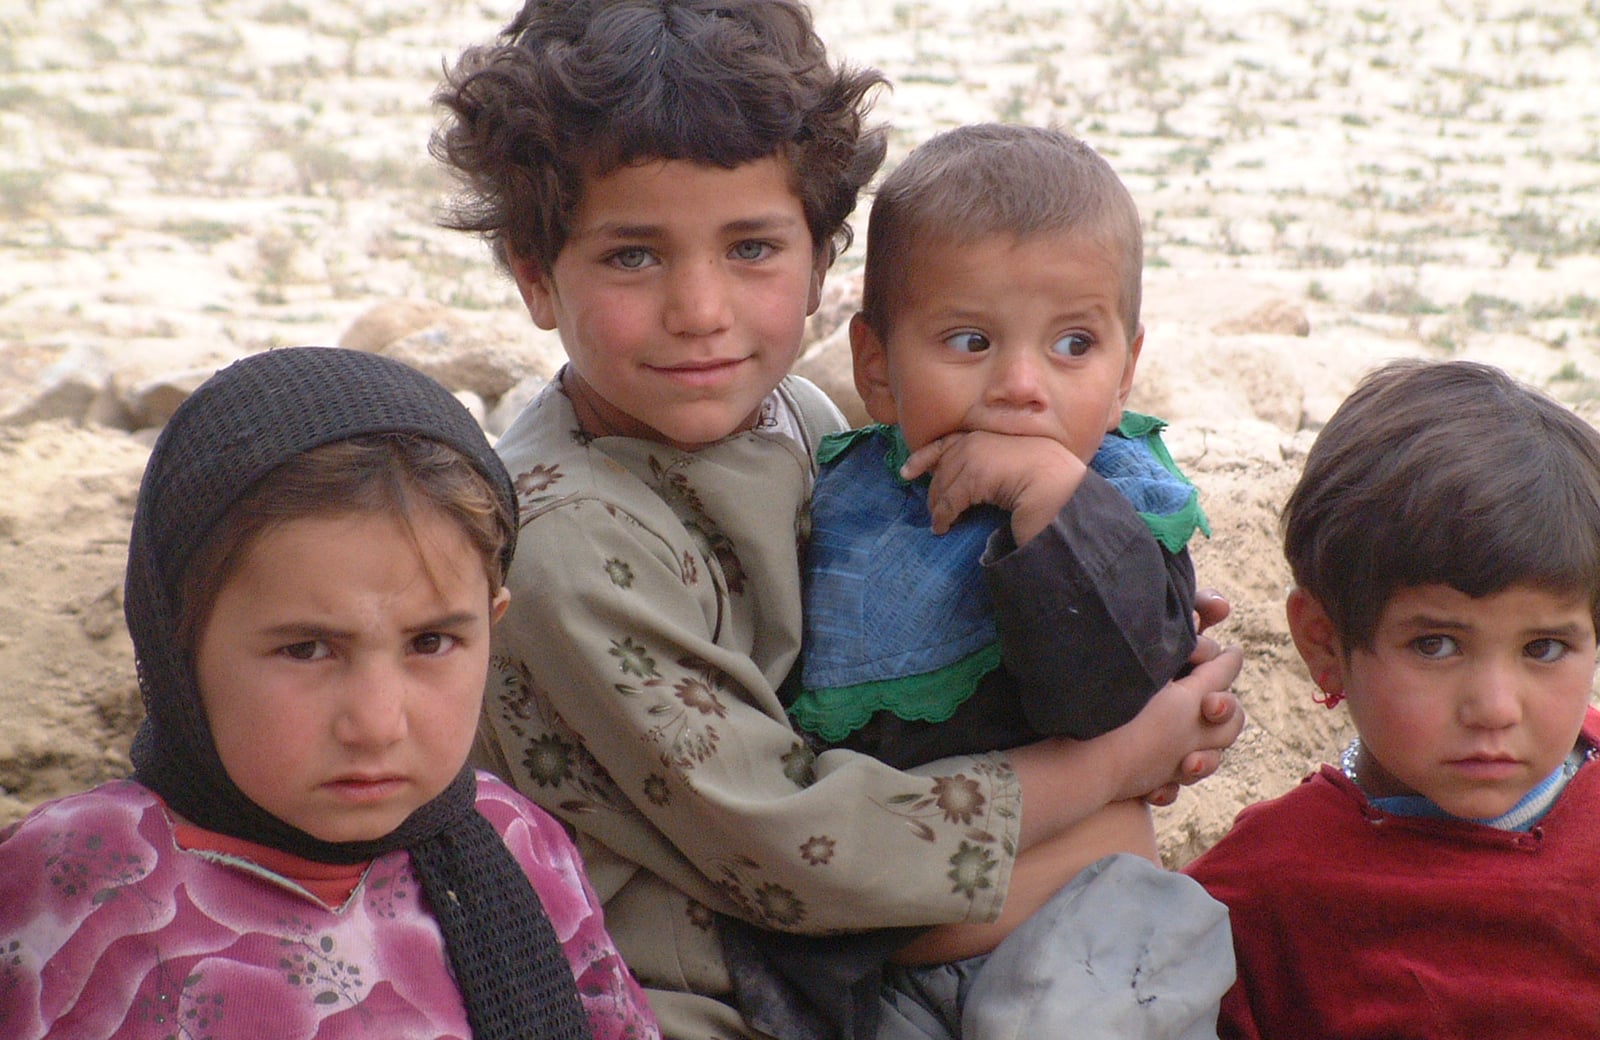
(996, 346)
(668, 181)
(1444, 878)
(317, 559)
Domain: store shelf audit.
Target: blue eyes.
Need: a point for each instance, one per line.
(638, 258)
(632, 259)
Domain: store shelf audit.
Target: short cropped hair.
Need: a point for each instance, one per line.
(575, 89)
(1444, 473)
(995, 178)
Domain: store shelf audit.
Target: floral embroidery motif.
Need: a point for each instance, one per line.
(800, 766)
(698, 691)
(673, 485)
(817, 850)
(959, 800)
(766, 902)
(620, 573)
(548, 760)
(532, 483)
(779, 905)
(701, 916)
(386, 894)
(958, 797)
(970, 869)
(177, 1006)
(314, 965)
(635, 659)
(682, 744)
(551, 755)
(81, 863)
(656, 789)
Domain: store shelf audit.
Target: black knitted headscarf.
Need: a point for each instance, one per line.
(239, 426)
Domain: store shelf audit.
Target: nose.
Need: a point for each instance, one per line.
(698, 299)
(1014, 380)
(372, 708)
(1491, 699)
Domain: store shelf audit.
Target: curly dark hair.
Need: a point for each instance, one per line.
(574, 89)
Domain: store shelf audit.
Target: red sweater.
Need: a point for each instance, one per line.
(1350, 923)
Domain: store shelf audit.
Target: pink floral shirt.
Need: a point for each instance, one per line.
(109, 928)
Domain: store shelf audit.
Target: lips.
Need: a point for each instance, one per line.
(1487, 767)
(366, 787)
(701, 373)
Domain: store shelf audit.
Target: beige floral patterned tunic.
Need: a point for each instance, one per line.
(655, 610)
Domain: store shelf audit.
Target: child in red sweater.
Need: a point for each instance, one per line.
(1443, 880)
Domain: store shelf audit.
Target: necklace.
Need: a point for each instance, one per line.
(1348, 760)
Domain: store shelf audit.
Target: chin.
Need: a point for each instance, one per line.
(354, 830)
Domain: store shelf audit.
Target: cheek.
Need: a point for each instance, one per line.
(449, 715)
(1114, 413)
(927, 405)
(602, 324)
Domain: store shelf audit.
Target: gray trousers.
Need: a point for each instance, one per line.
(1127, 950)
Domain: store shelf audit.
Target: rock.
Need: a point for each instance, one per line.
(151, 403)
(487, 357)
(389, 321)
(512, 402)
(67, 389)
(841, 298)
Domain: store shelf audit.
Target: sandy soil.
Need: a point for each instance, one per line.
(1324, 187)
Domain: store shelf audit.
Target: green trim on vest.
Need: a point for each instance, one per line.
(930, 697)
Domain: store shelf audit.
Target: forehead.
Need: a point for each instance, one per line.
(1515, 609)
(424, 539)
(940, 268)
(666, 193)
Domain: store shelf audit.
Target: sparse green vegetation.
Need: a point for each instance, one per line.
(1372, 148)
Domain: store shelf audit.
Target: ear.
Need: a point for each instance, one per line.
(1124, 388)
(819, 273)
(1317, 640)
(498, 605)
(871, 363)
(538, 291)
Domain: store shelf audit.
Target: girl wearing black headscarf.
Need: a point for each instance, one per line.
(317, 557)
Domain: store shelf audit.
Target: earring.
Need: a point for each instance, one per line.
(1324, 696)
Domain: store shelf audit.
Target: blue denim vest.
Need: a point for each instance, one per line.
(899, 618)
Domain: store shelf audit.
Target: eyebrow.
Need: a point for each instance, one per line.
(959, 310)
(305, 631)
(741, 226)
(1419, 622)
